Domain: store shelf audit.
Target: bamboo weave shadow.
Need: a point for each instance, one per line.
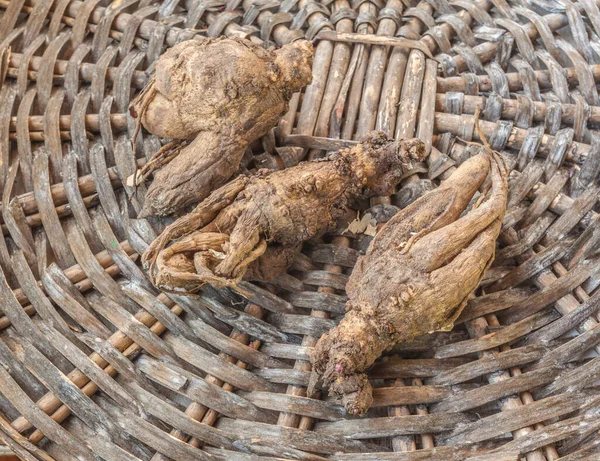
(95, 363)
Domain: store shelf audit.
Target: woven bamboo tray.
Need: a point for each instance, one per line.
(96, 364)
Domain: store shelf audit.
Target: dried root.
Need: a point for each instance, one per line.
(415, 278)
(220, 94)
(164, 155)
(253, 227)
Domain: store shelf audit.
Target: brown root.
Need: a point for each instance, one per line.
(177, 268)
(222, 93)
(199, 217)
(200, 167)
(138, 107)
(276, 260)
(284, 208)
(355, 391)
(416, 276)
(164, 155)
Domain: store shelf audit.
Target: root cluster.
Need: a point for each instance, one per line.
(415, 278)
(253, 227)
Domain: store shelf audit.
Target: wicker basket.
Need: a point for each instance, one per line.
(97, 364)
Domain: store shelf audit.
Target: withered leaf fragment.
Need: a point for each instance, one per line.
(415, 278)
(253, 227)
(213, 97)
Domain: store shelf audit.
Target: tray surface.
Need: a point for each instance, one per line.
(95, 363)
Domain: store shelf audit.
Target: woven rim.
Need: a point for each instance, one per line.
(96, 362)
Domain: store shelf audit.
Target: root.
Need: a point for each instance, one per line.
(284, 208)
(198, 218)
(142, 101)
(355, 391)
(190, 171)
(479, 132)
(163, 156)
(406, 246)
(174, 268)
(394, 296)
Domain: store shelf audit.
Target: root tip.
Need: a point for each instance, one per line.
(145, 212)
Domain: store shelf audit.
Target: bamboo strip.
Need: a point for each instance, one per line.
(515, 83)
(368, 39)
(510, 109)
(86, 70)
(77, 277)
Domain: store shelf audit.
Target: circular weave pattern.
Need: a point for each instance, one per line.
(97, 364)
